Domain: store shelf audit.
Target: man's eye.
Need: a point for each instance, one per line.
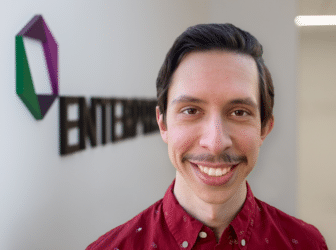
(190, 111)
(240, 113)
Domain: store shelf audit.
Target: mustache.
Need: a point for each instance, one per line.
(223, 157)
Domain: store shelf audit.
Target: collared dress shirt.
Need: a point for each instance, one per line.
(167, 226)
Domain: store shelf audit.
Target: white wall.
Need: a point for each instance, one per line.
(317, 136)
(317, 121)
(115, 49)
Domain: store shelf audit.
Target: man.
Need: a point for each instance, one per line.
(215, 102)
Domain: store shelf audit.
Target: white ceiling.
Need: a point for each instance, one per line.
(316, 7)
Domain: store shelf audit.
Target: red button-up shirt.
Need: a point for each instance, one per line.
(166, 226)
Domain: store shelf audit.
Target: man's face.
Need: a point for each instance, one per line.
(213, 127)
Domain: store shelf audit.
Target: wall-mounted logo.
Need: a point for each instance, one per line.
(133, 111)
(38, 104)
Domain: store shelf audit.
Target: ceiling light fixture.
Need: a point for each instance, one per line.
(315, 20)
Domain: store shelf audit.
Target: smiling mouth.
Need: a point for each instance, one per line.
(215, 172)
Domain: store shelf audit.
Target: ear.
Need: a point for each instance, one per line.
(267, 129)
(162, 125)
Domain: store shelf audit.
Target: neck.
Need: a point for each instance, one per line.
(217, 216)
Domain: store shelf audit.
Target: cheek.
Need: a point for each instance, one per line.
(248, 141)
(180, 141)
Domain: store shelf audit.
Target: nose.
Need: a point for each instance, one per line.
(215, 136)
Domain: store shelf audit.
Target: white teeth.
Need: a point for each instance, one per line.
(214, 171)
(206, 170)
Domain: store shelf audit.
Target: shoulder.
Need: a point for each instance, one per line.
(295, 230)
(127, 235)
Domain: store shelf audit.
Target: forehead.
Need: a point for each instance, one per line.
(220, 75)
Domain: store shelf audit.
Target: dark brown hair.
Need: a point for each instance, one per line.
(227, 37)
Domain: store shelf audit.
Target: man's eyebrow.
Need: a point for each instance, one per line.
(245, 101)
(190, 99)
(186, 98)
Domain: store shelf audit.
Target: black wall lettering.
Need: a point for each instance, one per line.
(87, 123)
(133, 112)
(66, 125)
(102, 102)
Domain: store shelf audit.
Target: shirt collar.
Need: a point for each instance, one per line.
(186, 228)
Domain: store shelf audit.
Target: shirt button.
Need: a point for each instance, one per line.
(203, 235)
(243, 242)
(185, 244)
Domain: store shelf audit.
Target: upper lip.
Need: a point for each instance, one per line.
(215, 165)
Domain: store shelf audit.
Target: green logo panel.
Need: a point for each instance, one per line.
(24, 82)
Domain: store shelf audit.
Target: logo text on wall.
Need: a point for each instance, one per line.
(133, 111)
